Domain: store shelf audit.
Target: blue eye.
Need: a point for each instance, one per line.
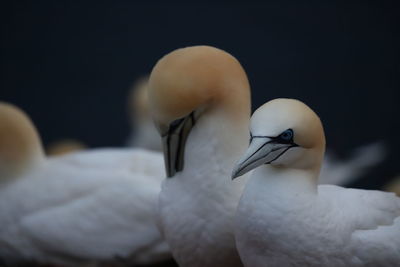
(286, 135)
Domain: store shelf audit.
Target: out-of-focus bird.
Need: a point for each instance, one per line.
(200, 101)
(91, 206)
(343, 172)
(285, 219)
(393, 185)
(144, 133)
(63, 147)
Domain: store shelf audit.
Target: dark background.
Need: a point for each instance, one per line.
(70, 65)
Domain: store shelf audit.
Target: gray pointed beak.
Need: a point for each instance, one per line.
(173, 141)
(262, 150)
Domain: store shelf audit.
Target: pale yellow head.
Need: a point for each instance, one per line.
(197, 77)
(281, 114)
(20, 145)
(286, 133)
(189, 83)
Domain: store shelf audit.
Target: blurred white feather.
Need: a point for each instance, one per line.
(342, 172)
(144, 133)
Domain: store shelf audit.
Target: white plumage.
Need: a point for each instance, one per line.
(285, 219)
(87, 206)
(334, 170)
(97, 205)
(197, 205)
(200, 93)
(336, 227)
(343, 172)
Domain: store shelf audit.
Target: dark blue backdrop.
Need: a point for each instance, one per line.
(69, 65)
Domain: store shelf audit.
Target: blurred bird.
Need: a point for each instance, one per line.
(91, 206)
(285, 219)
(393, 186)
(144, 133)
(200, 100)
(64, 146)
(343, 172)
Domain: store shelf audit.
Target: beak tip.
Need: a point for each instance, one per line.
(235, 174)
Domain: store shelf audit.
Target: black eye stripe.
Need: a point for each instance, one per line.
(260, 136)
(285, 137)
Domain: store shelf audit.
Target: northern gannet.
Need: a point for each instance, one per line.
(334, 170)
(64, 146)
(200, 101)
(96, 205)
(144, 133)
(285, 219)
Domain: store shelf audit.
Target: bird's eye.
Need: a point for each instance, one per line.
(287, 135)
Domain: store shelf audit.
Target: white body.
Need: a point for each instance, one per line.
(84, 207)
(284, 220)
(197, 205)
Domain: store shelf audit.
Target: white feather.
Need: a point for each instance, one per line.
(336, 227)
(342, 172)
(285, 219)
(86, 206)
(197, 205)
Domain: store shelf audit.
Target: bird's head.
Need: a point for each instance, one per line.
(285, 133)
(188, 82)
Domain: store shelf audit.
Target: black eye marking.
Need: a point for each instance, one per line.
(286, 137)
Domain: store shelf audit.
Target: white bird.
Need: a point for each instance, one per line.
(144, 133)
(200, 100)
(89, 206)
(285, 219)
(334, 170)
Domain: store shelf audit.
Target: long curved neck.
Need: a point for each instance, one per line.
(215, 144)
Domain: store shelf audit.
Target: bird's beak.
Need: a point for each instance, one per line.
(173, 141)
(262, 150)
